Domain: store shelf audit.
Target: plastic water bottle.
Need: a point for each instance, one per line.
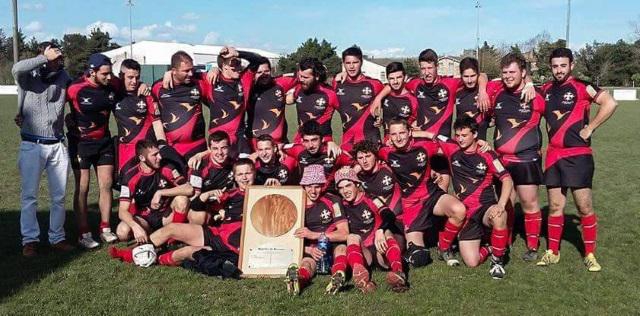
(323, 266)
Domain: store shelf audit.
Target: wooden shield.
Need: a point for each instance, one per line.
(270, 217)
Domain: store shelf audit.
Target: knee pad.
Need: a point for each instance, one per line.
(417, 256)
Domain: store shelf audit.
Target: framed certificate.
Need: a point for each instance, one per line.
(270, 217)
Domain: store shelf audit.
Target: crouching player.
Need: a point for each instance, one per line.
(371, 238)
(224, 237)
(152, 195)
(323, 216)
(473, 171)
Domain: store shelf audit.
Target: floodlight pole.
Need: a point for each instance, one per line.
(478, 30)
(15, 31)
(568, 22)
(130, 4)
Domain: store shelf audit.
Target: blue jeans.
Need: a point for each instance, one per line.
(32, 161)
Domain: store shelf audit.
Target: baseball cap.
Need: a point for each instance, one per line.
(98, 60)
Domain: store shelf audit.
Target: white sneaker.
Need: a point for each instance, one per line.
(108, 236)
(87, 242)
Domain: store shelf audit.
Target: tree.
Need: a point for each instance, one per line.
(312, 48)
(100, 41)
(490, 61)
(411, 67)
(515, 49)
(541, 54)
(21, 45)
(76, 54)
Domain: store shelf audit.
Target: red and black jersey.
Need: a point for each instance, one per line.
(435, 103)
(274, 169)
(354, 98)
(364, 217)
(266, 109)
(317, 105)
(381, 183)
(228, 105)
(134, 116)
(139, 186)
(211, 176)
(399, 106)
(303, 159)
(324, 214)
(411, 167)
(473, 174)
(232, 203)
(91, 107)
(180, 109)
(467, 106)
(567, 106)
(517, 136)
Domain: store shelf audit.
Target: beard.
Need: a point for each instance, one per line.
(264, 81)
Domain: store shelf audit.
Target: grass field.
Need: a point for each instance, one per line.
(90, 283)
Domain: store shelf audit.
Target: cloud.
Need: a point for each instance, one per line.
(211, 38)
(107, 27)
(165, 31)
(191, 16)
(33, 6)
(386, 52)
(33, 26)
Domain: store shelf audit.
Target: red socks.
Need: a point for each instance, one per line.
(354, 256)
(104, 225)
(339, 264)
(447, 235)
(532, 223)
(393, 255)
(589, 232)
(179, 217)
(484, 253)
(166, 259)
(554, 232)
(125, 255)
(499, 241)
(304, 276)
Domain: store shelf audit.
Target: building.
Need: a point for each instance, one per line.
(449, 66)
(155, 57)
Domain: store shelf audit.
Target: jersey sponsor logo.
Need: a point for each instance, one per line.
(124, 192)
(165, 95)
(499, 106)
(386, 103)
(394, 163)
(328, 162)
(340, 91)
(547, 97)
(303, 160)
(456, 163)
(299, 99)
(111, 96)
(421, 95)
(118, 106)
(218, 88)
(457, 101)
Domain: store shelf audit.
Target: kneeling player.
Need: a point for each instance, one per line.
(323, 217)
(222, 238)
(371, 239)
(473, 171)
(152, 195)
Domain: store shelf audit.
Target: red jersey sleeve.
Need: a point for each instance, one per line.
(384, 152)
(413, 84)
(206, 88)
(495, 166)
(452, 83)
(287, 83)
(448, 146)
(293, 150)
(538, 103)
(173, 175)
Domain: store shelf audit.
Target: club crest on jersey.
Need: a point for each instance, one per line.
(567, 98)
(524, 108)
(394, 163)
(367, 217)
(366, 92)
(320, 103)
(481, 168)
(421, 158)
(328, 162)
(141, 107)
(443, 95)
(303, 160)
(283, 174)
(405, 111)
(195, 93)
(325, 216)
(387, 183)
(340, 91)
(162, 184)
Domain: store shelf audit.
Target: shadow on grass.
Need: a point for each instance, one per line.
(17, 271)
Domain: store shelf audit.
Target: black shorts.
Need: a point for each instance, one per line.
(571, 172)
(154, 219)
(424, 219)
(439, 164)
(524, 173)
(215, 241)
(474, 228)
(95, 153)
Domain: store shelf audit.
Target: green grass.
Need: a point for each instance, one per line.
(90, 283)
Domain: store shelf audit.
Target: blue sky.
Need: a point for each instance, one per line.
(381, 28)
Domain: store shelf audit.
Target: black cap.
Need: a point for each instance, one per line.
(98, 60)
